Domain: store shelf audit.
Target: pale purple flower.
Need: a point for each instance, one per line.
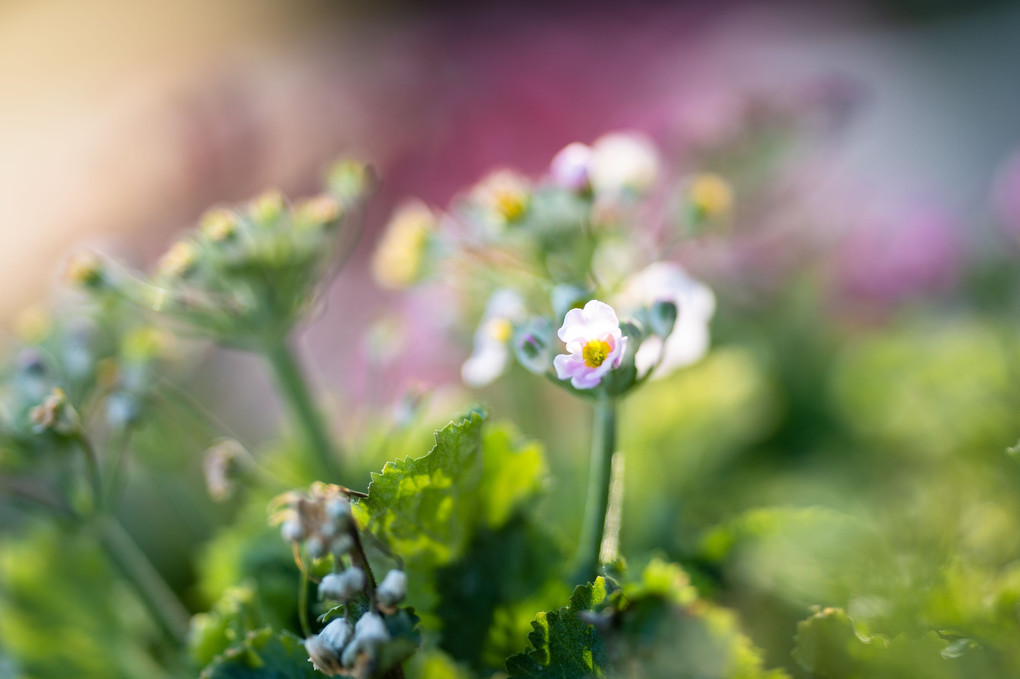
(695, 303)
(571, 167)
(595, 345)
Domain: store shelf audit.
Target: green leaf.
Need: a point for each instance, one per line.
(487, 596)
(563, 645)
(229, 621)
(264, 654)
(429, 509)
(827, 645)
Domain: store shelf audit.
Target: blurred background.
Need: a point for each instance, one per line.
(866, 334)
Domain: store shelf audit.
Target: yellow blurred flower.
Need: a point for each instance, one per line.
(399, 258)
(711, 196)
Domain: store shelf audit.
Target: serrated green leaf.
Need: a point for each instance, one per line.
(264, 654)
(563, 645)
(430, 509)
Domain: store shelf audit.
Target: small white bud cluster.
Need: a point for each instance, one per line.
(342, 649)
(342, 586)
(320, 519)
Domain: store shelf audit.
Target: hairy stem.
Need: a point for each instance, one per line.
(295, 391)
(599, 481)
(126, 556)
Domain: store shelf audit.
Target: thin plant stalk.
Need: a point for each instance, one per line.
(164, 605)
(603, 446)
(298, 396)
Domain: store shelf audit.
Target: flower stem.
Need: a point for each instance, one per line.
(295, 391)
(599, 481)
(162, 603)
(303, 603)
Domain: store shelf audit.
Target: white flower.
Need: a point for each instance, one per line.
(492, 339)
(695, 303)
(595, 345)
(371, 629)
(571, 167)
(623, 161)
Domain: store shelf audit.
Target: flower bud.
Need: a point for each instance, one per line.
(316, 548)
(267, 208)
(85, 270)
(339, 510)
(337, 633)
(291, 530)
(219, 225)
(571, 167)
(178, 261)
(54, 414)
(341, 544)
(323, 656)
(393, 589)
(662, 317)
(534, 345)
(371, 629)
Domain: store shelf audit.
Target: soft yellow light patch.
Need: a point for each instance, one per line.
(712, 195)
(595, 353)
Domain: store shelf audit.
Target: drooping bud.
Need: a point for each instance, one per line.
(533, 344)
(393, 589)
(291, 530)
(571, 167)
(662, 317)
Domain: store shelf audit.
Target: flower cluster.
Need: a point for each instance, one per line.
(321, 521)
(575, 256)
(247, 274)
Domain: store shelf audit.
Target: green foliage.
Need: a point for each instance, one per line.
(64, 612)
(655, 626)
(462, 519)
(264, 654)
(563, 645)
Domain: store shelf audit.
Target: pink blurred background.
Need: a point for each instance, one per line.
(120, 122)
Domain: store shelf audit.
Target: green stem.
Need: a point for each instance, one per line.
(295, 391)
(92, 461)
(303, 603)
(162, 603)
(599, 481)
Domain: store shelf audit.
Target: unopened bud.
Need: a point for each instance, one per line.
(291, 530)
(179, 260)
(267, 208)
(337, 633)
(393, 589)
(316, 548)
(341, 544)
(219, 225)
(371, 629)
(662, 317)
(85, 270)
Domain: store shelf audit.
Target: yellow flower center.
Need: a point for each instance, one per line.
(511, 204)
(500, 329)
(595, 353)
